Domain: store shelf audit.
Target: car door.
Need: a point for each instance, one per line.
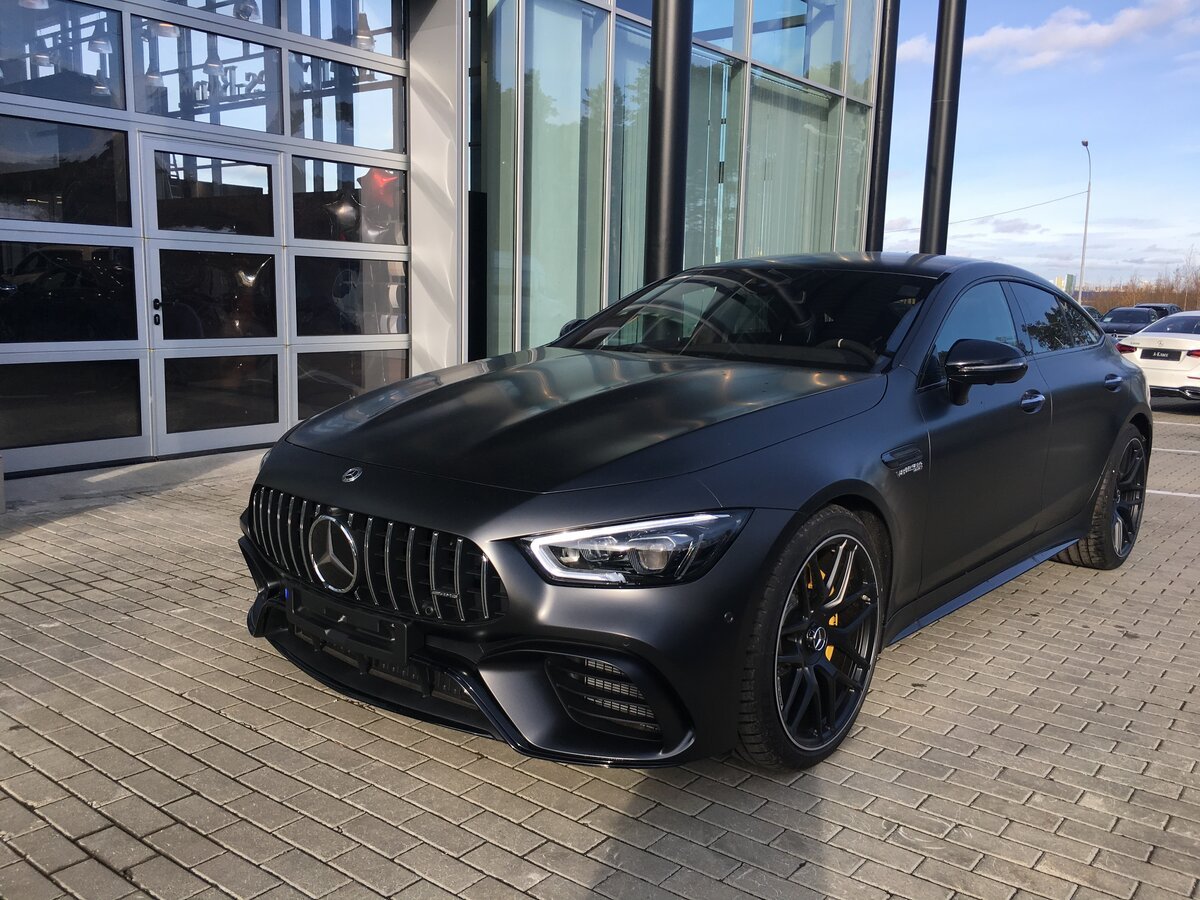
(1083, 373)
(986, 457)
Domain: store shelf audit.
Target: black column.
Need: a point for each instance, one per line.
(943, 123)
(882, 144)
(666, 170)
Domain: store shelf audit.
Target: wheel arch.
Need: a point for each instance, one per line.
(1142, 422)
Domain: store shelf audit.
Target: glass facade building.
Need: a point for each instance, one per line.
(219, 217)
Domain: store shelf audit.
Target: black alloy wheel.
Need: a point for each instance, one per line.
(1120, 502)
(1129, 496)
(814, 643)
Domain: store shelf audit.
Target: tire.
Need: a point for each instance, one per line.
(1117, 514)
(814, 642)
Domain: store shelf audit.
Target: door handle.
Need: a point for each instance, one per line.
(157, 304)
(1113, 382)
(1032, 401)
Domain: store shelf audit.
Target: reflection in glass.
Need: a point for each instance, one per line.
(188, 74)
(371, 25)
(212, 295)
(201, 193)
(496, 170)
(630, 133)
(715, 21)
(62, 402)
(62, 50)
(791, 169)
(63, 173)
(351, 296)
(344, 104)
(564, 165)
(66, 292)
(802, 38)
(221, 392)
(853, 186)
(261, 12)
(860, 63)
(327, 379)
(340, 201)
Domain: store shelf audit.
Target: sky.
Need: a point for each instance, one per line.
(1038, 77)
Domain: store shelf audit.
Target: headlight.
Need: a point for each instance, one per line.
(657, 551)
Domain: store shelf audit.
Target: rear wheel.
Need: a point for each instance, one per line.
(814, 643)
(1117, 515)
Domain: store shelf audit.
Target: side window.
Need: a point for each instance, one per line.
(1051, 324)
(981, 313)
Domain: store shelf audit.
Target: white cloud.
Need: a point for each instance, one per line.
(1016, 226)
(1068, 32)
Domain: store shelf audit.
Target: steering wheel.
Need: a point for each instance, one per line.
(853, 346)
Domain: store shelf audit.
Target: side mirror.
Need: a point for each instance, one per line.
(972, 362)
(570, 326)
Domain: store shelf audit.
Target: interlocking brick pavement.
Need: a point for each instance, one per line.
(1042, 742)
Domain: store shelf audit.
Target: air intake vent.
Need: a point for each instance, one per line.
(600, 696)
(418, 572)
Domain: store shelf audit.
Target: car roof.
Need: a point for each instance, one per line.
(923, 264)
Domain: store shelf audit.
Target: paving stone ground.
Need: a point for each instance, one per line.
(1042, 742)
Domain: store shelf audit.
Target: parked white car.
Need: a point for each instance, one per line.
(1169, 353)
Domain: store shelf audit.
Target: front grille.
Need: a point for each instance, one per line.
(418, 572)
(599, 695)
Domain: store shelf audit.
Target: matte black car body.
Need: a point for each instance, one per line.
(557, 438)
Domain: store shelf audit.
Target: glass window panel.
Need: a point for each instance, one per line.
(860, 64)
(198, 76)
(326, 379)
(341, 201)
(497, 171)
(61, 50)
(630, 150)
(563, 165)
(1050, 324)
(64, 402)
(714, 159)
(643, 8)
(214, 295)
(720, 22)
(351, 296)
(791, 170)
(803, 38)
(261, 12)
(202, 193)
(371, 25)
(51, 172)
(853, 187)
(66, 292)
(344, 104)
(208, 392)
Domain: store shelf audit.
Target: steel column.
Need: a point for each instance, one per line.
(885, 76)
(666, 170)
(943, 124)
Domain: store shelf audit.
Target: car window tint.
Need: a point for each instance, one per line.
(1050, 324)
(1174, 325)
(981, 313)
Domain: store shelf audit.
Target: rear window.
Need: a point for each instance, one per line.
(820, 318)
(1175, 325)
(1128, 315)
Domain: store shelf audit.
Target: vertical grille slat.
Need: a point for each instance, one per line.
(446, 577)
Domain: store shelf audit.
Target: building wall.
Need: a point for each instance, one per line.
(779, 133)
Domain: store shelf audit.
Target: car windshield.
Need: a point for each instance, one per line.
(819, 318)
(1128, 315)
(1175, 325)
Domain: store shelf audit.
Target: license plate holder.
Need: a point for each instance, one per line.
(362, 634)
(1156, 353)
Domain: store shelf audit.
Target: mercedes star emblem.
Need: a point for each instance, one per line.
(334, 554)
(352, 474)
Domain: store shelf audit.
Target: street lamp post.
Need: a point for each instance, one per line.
(1087, 211)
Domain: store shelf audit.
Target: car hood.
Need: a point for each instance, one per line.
(1122, 327)
(560, 419)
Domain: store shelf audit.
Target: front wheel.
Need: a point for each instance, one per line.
(1117, 515)
(814, 643)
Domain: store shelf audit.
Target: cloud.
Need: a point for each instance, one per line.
(903, 223)
(1016, 226)
(1068, 32)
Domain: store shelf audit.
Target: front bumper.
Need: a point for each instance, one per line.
(677, 650)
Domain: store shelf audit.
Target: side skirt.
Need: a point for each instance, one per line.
(973, 593)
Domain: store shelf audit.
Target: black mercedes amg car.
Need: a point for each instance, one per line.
(691, 523)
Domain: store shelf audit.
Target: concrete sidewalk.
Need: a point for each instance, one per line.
(1042, 742)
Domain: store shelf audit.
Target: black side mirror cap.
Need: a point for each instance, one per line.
(972, 362)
